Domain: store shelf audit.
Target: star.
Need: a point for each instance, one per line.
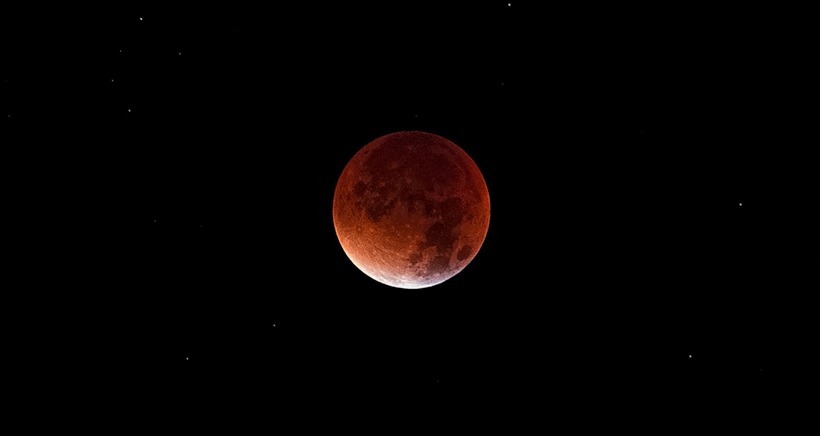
(509, 5)
(690, 356)
(129, 111)
(274, 324)
(740, 204)
(179, 53)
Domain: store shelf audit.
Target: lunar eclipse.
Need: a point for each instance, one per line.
(411, 209)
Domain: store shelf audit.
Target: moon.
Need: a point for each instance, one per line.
(411, 209)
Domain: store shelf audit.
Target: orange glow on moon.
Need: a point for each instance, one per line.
(411, 209)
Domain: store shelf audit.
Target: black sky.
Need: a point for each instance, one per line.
(654, 222)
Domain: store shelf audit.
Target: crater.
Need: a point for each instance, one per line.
(464, 252)
(377, 207)
(439, 264)
(440, 236)
(451, 210)
(359, 188)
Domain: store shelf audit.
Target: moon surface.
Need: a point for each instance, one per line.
(411, 209)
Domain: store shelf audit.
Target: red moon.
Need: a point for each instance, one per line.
(411, 209)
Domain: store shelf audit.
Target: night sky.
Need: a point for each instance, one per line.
(652, 245)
